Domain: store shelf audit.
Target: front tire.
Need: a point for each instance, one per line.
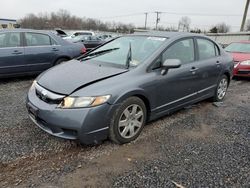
(60, 61)
(221, 89)
(128, 121)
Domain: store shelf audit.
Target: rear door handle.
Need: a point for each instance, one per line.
(16, 52)
(193, 69)
(55, 49)
(218, 62)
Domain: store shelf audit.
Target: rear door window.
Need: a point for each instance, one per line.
(10, 40)
(206, 49)
(37, 39)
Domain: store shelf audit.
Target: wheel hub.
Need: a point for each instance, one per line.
(131, 121)
(222, 88)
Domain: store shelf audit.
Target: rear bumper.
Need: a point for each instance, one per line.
(89, 125)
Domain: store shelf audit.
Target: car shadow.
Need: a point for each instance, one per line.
(17, 79)
(241, 78)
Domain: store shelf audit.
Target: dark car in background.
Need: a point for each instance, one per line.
(25, 51)
(90, 42)
(115, 89)
(241, 55)
(105, 37)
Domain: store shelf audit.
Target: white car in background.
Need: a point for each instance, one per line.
(78, 33)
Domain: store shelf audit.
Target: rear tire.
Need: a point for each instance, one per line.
(221, 89)
(61, 60)
(128, 121)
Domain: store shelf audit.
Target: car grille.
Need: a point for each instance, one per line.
(67, 133)
(243, 72)
(48, 96)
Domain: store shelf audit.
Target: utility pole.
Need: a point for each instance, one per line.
(244, 16)
(157, 19)
(146, 19)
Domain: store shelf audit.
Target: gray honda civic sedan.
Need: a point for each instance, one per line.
(114, 90)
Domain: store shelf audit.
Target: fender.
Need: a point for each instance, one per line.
(134, 92)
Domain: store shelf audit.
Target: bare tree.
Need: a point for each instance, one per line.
(214, 29)
(168, 28)
(184, 24)
(64, 20)
(222, 28)
(171, 28)
(195, 30)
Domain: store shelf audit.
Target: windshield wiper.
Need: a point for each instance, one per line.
(95, 54)
(129, 56)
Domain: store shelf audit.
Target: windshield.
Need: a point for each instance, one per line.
(133, 48)
(238, 47)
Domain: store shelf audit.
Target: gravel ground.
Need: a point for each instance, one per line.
(200, 146)
(210, 148)
(20, 136)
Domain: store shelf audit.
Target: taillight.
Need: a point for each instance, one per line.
(83, 50)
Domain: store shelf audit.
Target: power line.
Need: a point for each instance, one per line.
(173, 13)
(119, 16)
(197, 25)
(202, 14)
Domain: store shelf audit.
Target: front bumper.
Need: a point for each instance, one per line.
(242, 71)
(89, 125)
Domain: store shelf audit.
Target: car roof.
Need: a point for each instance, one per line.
(81, 31)
(25, 30)
(85, 31)
(165, 34)
(48, 32)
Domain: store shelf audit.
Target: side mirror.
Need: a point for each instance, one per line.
(170, 64)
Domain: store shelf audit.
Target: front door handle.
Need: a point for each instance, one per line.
(218, 62)
(193, 70)
(16, 52)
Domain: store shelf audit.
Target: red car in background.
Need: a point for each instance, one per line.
(241, 55)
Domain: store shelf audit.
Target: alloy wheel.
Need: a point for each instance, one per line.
(131, 121)
(222, 88)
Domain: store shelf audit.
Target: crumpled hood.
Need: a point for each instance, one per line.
(68, 77)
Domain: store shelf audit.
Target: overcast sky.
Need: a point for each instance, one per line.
(203, 13)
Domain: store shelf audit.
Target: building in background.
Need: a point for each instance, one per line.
(226, 38)
(8, 24)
